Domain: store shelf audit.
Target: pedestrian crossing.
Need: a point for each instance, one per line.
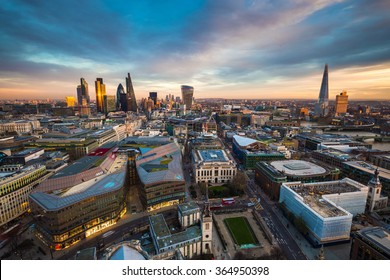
(257, 203)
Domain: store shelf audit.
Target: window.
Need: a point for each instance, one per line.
(207, 226)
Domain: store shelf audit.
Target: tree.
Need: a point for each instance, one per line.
(238, 184)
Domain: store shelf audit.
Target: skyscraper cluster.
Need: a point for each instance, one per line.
(122, 101)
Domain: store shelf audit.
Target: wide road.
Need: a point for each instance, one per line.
(124, 231)
(286, 242)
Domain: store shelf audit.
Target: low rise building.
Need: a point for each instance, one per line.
(213, 166)
(250, 151)
(362, 172)
(372, 243)
(194, 238)
(325, 208)
(271, 175)
(75, 147)
(15, 186)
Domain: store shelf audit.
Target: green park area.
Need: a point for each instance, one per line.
(241, 231)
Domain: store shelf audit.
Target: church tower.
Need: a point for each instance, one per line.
(207, 227)
(374, 192)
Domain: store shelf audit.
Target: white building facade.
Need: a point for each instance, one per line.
(213, 166)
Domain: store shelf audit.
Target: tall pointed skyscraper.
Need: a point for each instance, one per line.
(131, 101)
(322, 106)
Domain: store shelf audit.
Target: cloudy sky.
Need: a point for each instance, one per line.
(224, 48)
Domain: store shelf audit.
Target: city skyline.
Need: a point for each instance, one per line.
(224, 49)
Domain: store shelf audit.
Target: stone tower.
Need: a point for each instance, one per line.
(207, 227)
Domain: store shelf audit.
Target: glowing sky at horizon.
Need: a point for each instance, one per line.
(223, 48)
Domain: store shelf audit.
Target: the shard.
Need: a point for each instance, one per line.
(322, 106)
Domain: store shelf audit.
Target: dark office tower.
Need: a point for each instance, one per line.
(322, 107)
(131, 101)
(153, 96)
(121, 99)
(100, 90)
(82, 92)
(187, 93)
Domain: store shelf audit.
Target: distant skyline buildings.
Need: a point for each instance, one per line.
(221, 58)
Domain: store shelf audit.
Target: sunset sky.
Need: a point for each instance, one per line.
(223, 48)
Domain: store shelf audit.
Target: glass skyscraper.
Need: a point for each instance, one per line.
(187, 93)
(100, 90)
(322, 106)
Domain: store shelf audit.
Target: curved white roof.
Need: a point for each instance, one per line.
(298, 168)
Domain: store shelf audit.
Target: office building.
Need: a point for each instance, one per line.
(363, 172)
(271, 175)
(20, 126)
(100, 89)
(82, 92)
(341, 103)
(249, 151)
(131, 101)
(82, 199)
(325, 208)
(213, 166)
(110, 102)
(153, 96)
(75, 147)
(322, 106)
(70, 101)
(187, 93)
(161, 175)
(15, 186)
(371, 243)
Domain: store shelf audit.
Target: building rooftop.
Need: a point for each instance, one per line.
(213, 155)
(57, 193)
(161, 164)
(6, 177)
(188, 208)
(58, 199)
(320, 196)
(379, 237)
(298, 168)
(244, 141)
(369, 168)
(335, 154)
(159, 225)
(27, 152)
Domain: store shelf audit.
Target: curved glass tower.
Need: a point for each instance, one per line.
(187, 93)
(121, 99)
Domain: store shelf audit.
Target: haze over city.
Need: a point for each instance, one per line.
(250, 49)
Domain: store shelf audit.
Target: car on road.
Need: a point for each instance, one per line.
(108, 233)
